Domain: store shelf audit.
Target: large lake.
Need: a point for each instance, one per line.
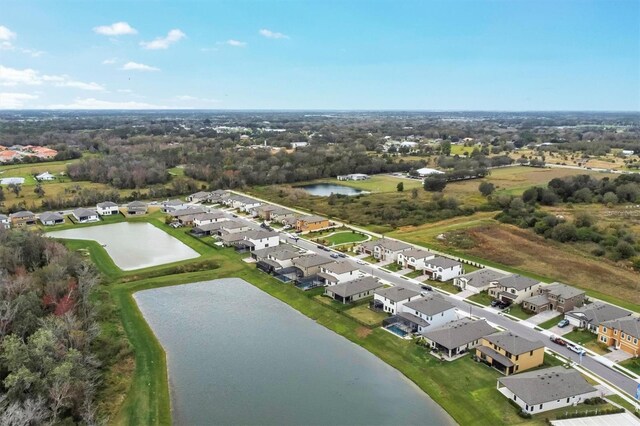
(132, 245)
(239, 356)
(326, 189)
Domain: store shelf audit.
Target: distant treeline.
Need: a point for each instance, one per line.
(121, 170)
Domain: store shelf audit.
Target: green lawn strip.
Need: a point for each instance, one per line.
(621, 401)
(446, 286)
(393, 267)
(586, 410)
(518, 312)
(551, 322)
(632, 365)
(482, 298)
(414, 274)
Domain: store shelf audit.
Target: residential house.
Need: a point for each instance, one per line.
(425, 171)
(232, 227)
(548, 389)
(288, 221)
(4, 222)
(22, 218)
(310, 264)
(172, 206)
(514, 288)
(276, 259)
(51, 218)
(311, 223)
(280, 214)
(218, 196)
(623, 334)
(443, 269)
(592, 315)
(352, 291)
(384, 249)
(458, 336)
(478, 281)
(206, 218)
(510, 353)
(107, 208)
(136, 208)
(284, 257)
(391, 299)
(354, 176)
(241, 203)
(555, 296)
(46, 176)
(265, 253)
(199, 197)
(259, 239)
(432, 311)
(338, 272)
(206, 229)
(414, 259)
(189, 219)
(189, 211)
(83, 215)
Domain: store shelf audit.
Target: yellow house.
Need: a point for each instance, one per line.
(311, 223)
(510, 353)
(622, 334)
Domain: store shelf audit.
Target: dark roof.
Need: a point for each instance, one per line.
(517, 281)
(443, 262)
(311, 260)
(392, 245)
(137, 204)
(629, 325)
(413, 318)
(106, 204)
(23, 213)
(397, 294)
(351, 288)
(430, 305)
(550, 384)
(497, 356)
(191, 211)
(459, 333)
(312, 219)
(209, 216)
(417, 253)
(598, 312)
(84, 212)
(340, 267)
(513, 343)
(562, 290)
(47, 216)
(482, 277)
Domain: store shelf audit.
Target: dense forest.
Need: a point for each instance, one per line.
(49, 373)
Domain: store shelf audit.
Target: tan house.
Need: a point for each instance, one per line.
(311, 223)
(514, 288)
(556, 296)
(621, 334)
(22, 219)
(509, 353)
(310, 264)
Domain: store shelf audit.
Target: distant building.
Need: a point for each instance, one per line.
(296, 145)
(311, 223)
(135, 208)
(4, 222)
(46, 176)
(354, 176)
(107, 208)
(85, 215)
(22, 218)
(425, 171)
(12, 180)
(51, 218)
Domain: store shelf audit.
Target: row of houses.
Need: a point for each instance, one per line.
(16, 152)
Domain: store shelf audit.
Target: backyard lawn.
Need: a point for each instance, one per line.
(366, 315)
(345, 237)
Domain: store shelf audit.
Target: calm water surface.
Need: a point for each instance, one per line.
(326, 189)
(132, 245)
(239, 356)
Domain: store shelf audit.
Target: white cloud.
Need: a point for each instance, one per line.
(189, 98)
(9, 100)
(172, 37)
(92, 103)
(234, 43)
(109, 61)
(6, 42)
(124, 91)
(135, 66)
(271, 34)
(31, 77)
(115, 29)
(6, 34)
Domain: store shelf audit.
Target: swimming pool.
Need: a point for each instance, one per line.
(397, 330)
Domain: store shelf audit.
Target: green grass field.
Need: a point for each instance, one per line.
(345, 238)
(551, 322)
(482, 298)
(376, 183)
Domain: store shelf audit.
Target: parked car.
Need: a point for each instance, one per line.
(494, 303)
(576, 349)
(320, 246)
(342, 255)
(503, 305)
(558, 341)
(426, 287)
(334, 255)
(563, 323)
(361, 262)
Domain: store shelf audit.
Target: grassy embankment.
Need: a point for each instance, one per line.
(465, 389)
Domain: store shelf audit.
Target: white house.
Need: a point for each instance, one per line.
(258, 240)
(415, 259)
(391, 299)
(232, 227)
(206, 218)
(85, 215)
(354, 176)
(432, 309)
(46, 176)
(514, 288)
(4, 222)
(173, 205)
(547, 389)
(443, 268)
(477, 281)
(107, 208)
(241, 203)
(299, 144)
(425, 171)
(51, 218)
(339, 272)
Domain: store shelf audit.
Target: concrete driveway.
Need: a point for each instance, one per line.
(561, 331)
(617, 355)
(544, 316)
(405, 271)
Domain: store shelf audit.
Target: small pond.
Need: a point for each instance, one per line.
(132, 245)
(237, 355)
(326, 189)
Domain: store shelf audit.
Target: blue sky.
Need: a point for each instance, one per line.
(432, 55)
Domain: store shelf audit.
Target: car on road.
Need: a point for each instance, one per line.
(320, 246)
(234, 215)
(342, 255)
(576, 349)
(334, 255)
(558, 341)
(563, 323)
(426, 287)
(361, 262)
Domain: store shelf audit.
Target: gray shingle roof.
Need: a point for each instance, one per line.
(418, 253)
(340, 267)
(513, 343)
(430, 305)
(48, 216)
(397, 294)
(135, 204)
(598, 312)
(443, 262)
(311, 260)
(24, 213)
(517, 281)
(106, 204)
(630, 326)
(562, 290)
(191, 211)
(210, 216)
(550, 384)
(538, 300)
(496, 356)
(413, 318)
(351, 288)
(482, 277)
(84, 212)
(312, 219)
(392, 245)
(460, 332)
